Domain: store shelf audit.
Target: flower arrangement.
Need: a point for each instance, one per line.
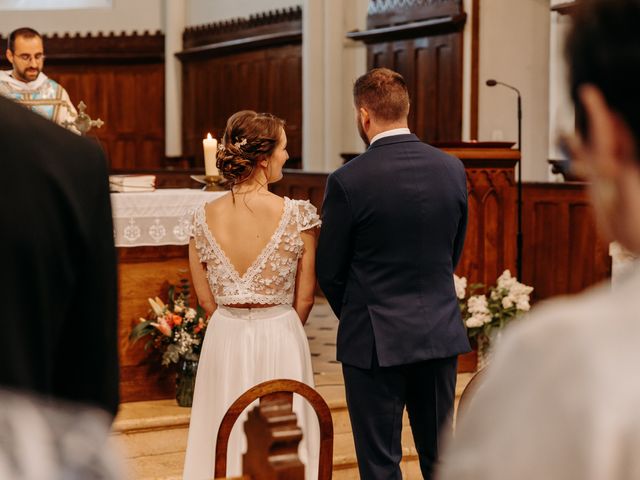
(176, 329)
(484, 313)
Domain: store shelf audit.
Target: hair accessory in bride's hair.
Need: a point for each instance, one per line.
(241, 143)
(220, 147)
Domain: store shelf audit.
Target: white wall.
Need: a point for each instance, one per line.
(561, 110)
(354, 64)
(514, 48)
(200, 12)
(127, 15)
(330, 65)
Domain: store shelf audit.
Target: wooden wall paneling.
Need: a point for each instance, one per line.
(302, 186)
(422, 40)
(432, 68)
(563, 252)
(253, 63)
(448, 66)
(264, 80)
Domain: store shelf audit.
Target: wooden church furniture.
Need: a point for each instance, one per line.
(272, 433)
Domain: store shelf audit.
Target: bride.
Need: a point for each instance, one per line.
(252, 263)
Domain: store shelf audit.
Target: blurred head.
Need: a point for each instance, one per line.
(25, 51)
(254, 146)
(381, 100)
(603, 54)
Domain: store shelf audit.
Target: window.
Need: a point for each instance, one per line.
(53, 4)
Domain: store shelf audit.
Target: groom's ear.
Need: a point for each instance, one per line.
(365, 118)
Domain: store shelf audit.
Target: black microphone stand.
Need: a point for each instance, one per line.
(493, 83)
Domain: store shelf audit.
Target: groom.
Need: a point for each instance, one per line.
(394, 222)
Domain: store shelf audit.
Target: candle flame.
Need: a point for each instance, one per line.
(209, 137)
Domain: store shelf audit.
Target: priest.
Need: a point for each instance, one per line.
(28, 85)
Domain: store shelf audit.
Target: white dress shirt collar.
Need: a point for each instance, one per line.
(389, 133)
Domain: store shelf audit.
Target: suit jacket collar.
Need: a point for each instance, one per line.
(411, 137)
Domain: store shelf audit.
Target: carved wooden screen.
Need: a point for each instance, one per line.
(254, 64)
(423, 41)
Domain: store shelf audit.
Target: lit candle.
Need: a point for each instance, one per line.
(210, 146)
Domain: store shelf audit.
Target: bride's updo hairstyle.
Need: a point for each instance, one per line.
(248, 138)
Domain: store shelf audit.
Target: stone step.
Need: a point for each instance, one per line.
(152, 436)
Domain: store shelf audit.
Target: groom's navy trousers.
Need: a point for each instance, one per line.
(394, 222)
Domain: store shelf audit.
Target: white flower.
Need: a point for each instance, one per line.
(507, 302)
(461, 286)
(474, 322)
(506, 281)
(477, 304)
(190, 314)
(523, 304)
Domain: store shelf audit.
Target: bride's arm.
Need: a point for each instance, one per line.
(200, 283)
(306, 277)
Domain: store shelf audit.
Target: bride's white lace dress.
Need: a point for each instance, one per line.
(246, 346)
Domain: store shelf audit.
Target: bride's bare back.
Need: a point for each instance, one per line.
(244, 228)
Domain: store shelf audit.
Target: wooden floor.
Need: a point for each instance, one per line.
(152, 436)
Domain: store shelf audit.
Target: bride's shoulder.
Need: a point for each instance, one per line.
(306, 214)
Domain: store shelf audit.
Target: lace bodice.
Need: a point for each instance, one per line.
(271, 278)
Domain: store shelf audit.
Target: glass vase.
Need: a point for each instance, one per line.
(186, 381)
(486, 345)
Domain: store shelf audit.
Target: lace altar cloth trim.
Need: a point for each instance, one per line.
(162, 217)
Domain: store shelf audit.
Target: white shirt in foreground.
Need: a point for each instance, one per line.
(561, 399)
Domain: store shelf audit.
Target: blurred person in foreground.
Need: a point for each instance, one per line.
(560, 400)
(53, 440)
(58, 283)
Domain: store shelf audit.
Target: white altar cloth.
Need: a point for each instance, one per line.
(162, 217)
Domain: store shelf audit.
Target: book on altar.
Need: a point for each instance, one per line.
(132, 183)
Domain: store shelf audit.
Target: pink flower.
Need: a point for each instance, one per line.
(163, 326)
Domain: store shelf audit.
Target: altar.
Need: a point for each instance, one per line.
(151, 231)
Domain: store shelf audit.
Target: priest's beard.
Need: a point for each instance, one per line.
(27, 74)
(361, 131)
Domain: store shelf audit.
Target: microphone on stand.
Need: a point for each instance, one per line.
(492, 83)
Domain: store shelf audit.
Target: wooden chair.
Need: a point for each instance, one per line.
(273, 394)
(470, 390)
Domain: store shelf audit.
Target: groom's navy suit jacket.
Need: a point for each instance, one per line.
(394, 222)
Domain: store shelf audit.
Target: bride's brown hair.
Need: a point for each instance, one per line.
(249, 137)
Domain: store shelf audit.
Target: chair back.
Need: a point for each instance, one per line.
(469, 391)
(270, 389)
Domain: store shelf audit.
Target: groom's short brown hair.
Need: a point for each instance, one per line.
(384, 93)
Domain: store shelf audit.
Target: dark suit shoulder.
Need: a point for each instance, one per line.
(35, 133)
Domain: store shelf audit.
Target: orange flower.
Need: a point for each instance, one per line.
(176, 319)
(198, 327)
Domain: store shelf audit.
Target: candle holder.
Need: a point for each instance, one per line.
(212, 183)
